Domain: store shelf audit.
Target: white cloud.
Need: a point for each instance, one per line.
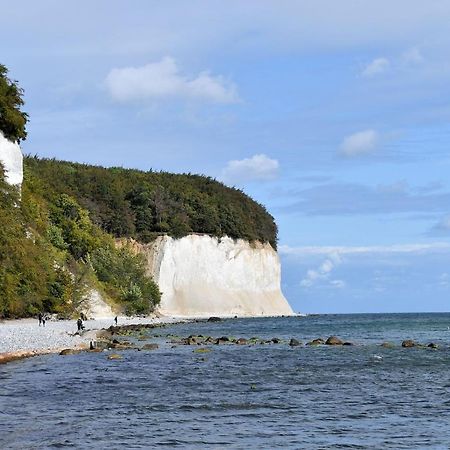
(338, 284)
(376, 67)
(163, 79)
(412, 56)
(258, 167)
(322, 274)
(380, 249)
(360, 143)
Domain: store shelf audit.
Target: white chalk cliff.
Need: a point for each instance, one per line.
(12, 160)
(200, 275)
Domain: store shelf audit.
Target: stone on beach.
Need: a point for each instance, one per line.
(23, 338)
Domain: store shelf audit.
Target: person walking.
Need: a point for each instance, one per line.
(80, 324)
(40, 318)
(115, 320)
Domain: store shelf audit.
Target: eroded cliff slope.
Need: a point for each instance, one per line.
(200, 275)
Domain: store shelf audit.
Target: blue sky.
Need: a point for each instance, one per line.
(335, 115)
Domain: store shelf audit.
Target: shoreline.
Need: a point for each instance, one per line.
(24, 338)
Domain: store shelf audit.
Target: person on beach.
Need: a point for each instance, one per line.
(115, 320)
(80, 326)
(40, 319)
(43, 319)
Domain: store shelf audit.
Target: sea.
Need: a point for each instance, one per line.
(261, 396)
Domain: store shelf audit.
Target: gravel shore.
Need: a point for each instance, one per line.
(26, 334)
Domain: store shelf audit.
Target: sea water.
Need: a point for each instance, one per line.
(260, 396)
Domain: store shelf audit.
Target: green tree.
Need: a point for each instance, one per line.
(12, 119)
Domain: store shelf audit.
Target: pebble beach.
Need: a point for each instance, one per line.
(25, 335)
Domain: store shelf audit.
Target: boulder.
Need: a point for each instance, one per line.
(408, 343)
(104, 334)
(214, 319)
(294, 342)
(202, 350)
(150, 346)
(318, 341)
(121, 346)
(333, 340)
(387, 345)
(114, 356)
(191, 340)
(69, 351)
(432, 345)
(242, 341)
(276, 340)
(103, 344)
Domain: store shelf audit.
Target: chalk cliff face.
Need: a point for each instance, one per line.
(200, 275)
(12, 160)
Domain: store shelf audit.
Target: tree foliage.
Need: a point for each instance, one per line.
(132, 203)
(12, 119)
(52, 254)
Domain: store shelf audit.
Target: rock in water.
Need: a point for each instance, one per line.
(150, 347)
(202, 350)
(408, 343)
(69, 351)
(387, 345)
(318, 341)
(294, 343)
(333, 340)
(214, 319)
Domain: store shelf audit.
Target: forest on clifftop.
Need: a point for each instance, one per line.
(142, 205)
